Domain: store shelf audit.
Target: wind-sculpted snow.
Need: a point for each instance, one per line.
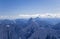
(33, 28)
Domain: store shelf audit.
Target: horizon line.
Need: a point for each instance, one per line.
(45, 15)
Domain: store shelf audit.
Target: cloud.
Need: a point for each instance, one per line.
(46, 15)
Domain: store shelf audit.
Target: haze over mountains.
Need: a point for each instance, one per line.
(46, 15)
(32, 28)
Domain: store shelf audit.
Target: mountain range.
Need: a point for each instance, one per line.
(33, 28)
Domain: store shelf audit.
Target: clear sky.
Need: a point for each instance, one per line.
(16, 7)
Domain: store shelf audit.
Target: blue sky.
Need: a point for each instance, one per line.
(16, 7)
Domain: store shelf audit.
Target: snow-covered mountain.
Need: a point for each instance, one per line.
(33, 28)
